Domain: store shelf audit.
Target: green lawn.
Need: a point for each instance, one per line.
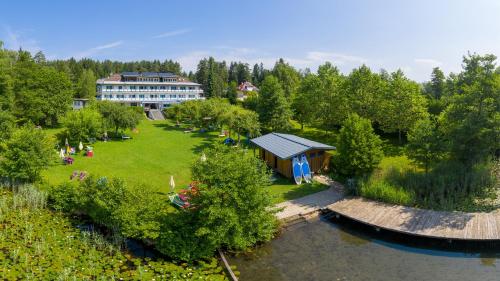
(157, 150)
(284, 189)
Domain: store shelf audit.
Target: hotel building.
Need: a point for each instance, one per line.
(151, 90)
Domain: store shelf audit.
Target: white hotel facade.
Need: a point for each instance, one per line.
(151, 90)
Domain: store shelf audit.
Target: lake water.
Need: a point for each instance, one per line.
(343, 250)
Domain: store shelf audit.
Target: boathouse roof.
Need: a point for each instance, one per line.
(286, 146)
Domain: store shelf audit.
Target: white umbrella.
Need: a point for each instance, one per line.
(61, 153)
(203, 157)
(80, 146)
(172, 183)
(66, 142)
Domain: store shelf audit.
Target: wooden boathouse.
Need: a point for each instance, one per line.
(277, 150)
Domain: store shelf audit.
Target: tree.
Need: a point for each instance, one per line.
(243, 120)
(306, 102)
(85, 88)
(359, 149)
(232, 92)
(471, 121)
(83, 124)
(437, 83)
(26, 154)
(364, 90)
(332, 103)
(7, 125)
(42, 95)
(273, 107)
(425, 144)
(288, 77)
(118, 116)
(231, 210)
(402, 105)
(40, 58)
(258, 74)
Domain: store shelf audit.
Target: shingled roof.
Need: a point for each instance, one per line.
(286, 146)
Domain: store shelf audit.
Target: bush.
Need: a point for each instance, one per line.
(83, 124)
(135, 213)
(25, 155)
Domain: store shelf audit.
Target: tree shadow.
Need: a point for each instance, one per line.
(438, 223)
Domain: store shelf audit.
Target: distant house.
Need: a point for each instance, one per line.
(80, 103)
(277, 150)
(247, 87)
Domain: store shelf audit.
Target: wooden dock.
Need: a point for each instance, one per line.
(419, 222)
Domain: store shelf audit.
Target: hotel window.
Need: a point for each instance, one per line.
(183, 88)
(191, 96)
(132, 87)
(173, 96)
(151, 87)
(162, 87)
(119, 87)
(141, 96)
(109, 87)
(132, 96)
(162, 96)
(182, 96)
(191, 88)
(98, 96)
(173, 88)
(141, 87)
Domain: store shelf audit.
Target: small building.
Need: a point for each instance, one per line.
(80, 103)
(247, 87)
(277, 150)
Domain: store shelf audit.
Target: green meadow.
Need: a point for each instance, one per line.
(156, 151)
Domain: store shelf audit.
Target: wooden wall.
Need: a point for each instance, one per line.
(318, 160)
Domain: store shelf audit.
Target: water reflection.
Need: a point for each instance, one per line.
(322, 250)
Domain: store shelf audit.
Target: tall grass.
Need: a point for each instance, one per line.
(384, 191)
(28, 196)
(449, 186)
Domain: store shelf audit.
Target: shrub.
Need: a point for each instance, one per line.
(134, 212)
(26, 154)
(82, 124)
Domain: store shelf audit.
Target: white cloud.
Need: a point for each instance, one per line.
(95, 50)
(16, 39)
(190, 60)
(251, 56)
(427, 62)
(335, 58)
(173, 33)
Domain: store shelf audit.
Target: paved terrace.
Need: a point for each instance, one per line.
(311, 203)
(427, 223)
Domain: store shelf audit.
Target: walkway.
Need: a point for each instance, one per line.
(311, 203)
(427, 223)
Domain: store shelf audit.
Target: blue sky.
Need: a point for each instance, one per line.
(412, 35)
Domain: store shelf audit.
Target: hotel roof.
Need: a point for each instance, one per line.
(148, 74)
(286, 146)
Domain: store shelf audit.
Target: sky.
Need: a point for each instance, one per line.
(413, 36)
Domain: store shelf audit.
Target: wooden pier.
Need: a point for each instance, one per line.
(419, 222)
